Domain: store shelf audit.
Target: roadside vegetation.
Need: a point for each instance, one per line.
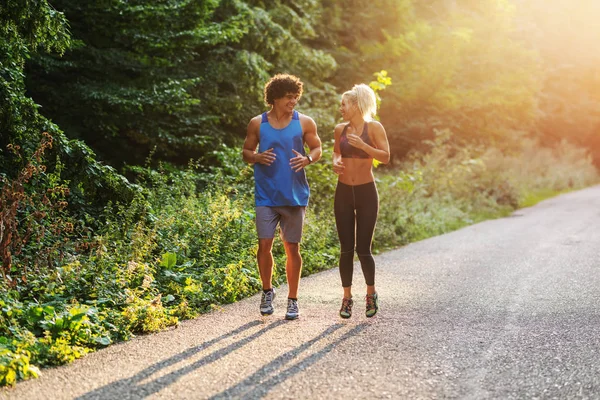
(125, 206)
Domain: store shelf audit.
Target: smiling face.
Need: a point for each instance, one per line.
(287, 102)
(347, 108)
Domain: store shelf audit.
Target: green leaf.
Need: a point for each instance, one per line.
(168, 260)
(103, 341)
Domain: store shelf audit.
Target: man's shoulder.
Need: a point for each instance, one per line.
(255, 121)
(305, 119)
(303, 116)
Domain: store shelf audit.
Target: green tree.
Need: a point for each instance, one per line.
(448, 62)
(569, 101)
(181, 76)
(28, 28)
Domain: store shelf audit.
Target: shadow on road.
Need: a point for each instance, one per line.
(262, 381)
(130, 387)
(254, 386)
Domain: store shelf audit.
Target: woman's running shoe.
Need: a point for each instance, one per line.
(372, 305)
(346, 310)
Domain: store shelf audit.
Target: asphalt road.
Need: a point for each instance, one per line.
(504, 309)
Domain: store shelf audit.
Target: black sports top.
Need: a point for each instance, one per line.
(349, 151)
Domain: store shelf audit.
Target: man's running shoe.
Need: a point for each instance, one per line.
(292, 309)
(266, 302)
(372, 305)
(346, 310)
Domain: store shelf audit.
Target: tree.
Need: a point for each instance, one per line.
(27, 28)
(178, 76)
(448, 62)
(569, 100)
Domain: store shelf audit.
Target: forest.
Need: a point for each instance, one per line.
(125, 206)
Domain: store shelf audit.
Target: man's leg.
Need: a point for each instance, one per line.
(292, 221)
(264, 258)
(293, 268)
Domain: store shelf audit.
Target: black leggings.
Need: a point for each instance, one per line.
(356, 209)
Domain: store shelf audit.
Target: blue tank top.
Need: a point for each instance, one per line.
(277, 184)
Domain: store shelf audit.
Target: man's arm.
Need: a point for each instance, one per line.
(249, 153)
(309, 129)
(312, 139)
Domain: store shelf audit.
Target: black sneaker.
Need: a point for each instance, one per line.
(266, 302)
(346, 310)
(292, 309)
(372, 305)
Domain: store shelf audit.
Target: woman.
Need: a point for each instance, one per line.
(358, 140)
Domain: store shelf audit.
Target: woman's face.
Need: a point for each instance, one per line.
(347, 108)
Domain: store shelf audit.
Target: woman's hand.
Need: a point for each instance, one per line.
(356, 141)
(338, 167)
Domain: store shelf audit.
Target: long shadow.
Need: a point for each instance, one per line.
(253, 387)
(130, 387)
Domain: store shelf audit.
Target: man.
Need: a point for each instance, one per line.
(281, 189)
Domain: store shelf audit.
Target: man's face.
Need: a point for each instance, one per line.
(287, 102)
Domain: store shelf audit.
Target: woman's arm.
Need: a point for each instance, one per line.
(338, 165)
(381, 151)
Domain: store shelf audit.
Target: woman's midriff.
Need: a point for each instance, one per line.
(357, 171)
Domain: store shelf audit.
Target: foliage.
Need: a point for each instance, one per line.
(569, 100)
(452, 186)
(27, 28)
(448, 62)
(178, 78)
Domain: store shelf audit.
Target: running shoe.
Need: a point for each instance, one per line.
(372, 305)
(266, 302)
(346, 310)
(292, 309)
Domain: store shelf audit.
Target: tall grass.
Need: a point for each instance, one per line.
(453, 186)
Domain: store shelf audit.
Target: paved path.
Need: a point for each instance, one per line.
(508, 308)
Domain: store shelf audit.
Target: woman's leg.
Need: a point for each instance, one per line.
(345, 223)
(367, 209)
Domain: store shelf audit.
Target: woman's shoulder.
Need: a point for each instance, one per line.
(339, 128)
(374, 124)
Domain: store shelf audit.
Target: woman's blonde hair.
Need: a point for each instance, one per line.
(364, 98)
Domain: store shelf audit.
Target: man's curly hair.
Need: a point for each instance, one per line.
(280, 85)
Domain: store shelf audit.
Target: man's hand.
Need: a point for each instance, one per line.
(338, 167)
(299, 161)
(267, 157)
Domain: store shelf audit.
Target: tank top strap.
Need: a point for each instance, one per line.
(365, 130)
(265, 119)
(345, 129)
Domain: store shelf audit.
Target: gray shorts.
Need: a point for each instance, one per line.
(289, 218)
